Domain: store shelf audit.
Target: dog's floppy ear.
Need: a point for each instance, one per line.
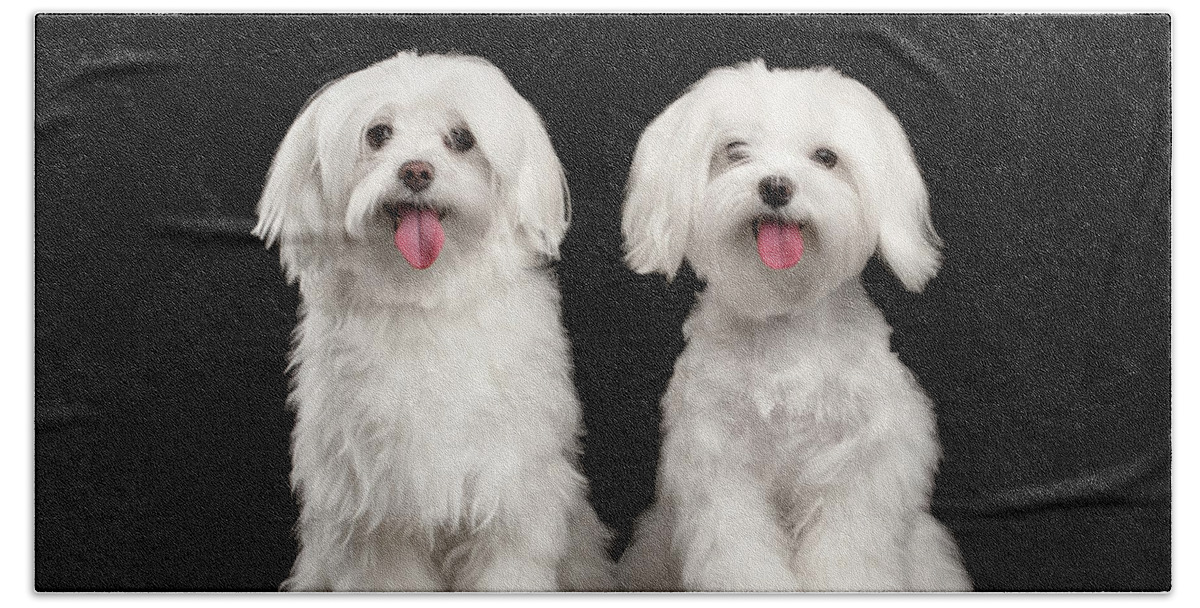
(291, 200)
(668, 174)
(514, 139)
(890, 182)
(540, 194)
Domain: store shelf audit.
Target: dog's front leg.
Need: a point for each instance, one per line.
(523, 544)
(726, 535)
(861, 536)
(851, 544)
(381, 559)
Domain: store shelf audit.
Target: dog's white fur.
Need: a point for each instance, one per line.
(437, 425)
(798, 451)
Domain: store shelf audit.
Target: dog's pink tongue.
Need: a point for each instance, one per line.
(779, 244)
(419, 237)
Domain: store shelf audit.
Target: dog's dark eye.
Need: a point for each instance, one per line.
(460, 139)
(826, 157)
(378, 135)
(736, 150)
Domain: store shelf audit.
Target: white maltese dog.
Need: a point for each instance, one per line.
(437, 428)
(798, 452)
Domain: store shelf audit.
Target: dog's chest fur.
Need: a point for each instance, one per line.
(429, 417)
(797, 400)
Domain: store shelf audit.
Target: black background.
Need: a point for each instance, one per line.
(162, 328)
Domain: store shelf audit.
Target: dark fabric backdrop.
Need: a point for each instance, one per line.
(162, 327)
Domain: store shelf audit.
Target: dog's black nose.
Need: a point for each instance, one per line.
(775, 191)
(416, 174)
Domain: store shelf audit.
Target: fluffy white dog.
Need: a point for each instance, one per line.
(437, 426)
(798, 452)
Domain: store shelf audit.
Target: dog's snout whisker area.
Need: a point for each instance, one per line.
(775, 191)
(416, 174)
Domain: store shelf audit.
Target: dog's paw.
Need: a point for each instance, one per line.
(741, 577)
(510, 575)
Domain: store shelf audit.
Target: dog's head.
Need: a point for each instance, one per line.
(433, 160)
(777, 183)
